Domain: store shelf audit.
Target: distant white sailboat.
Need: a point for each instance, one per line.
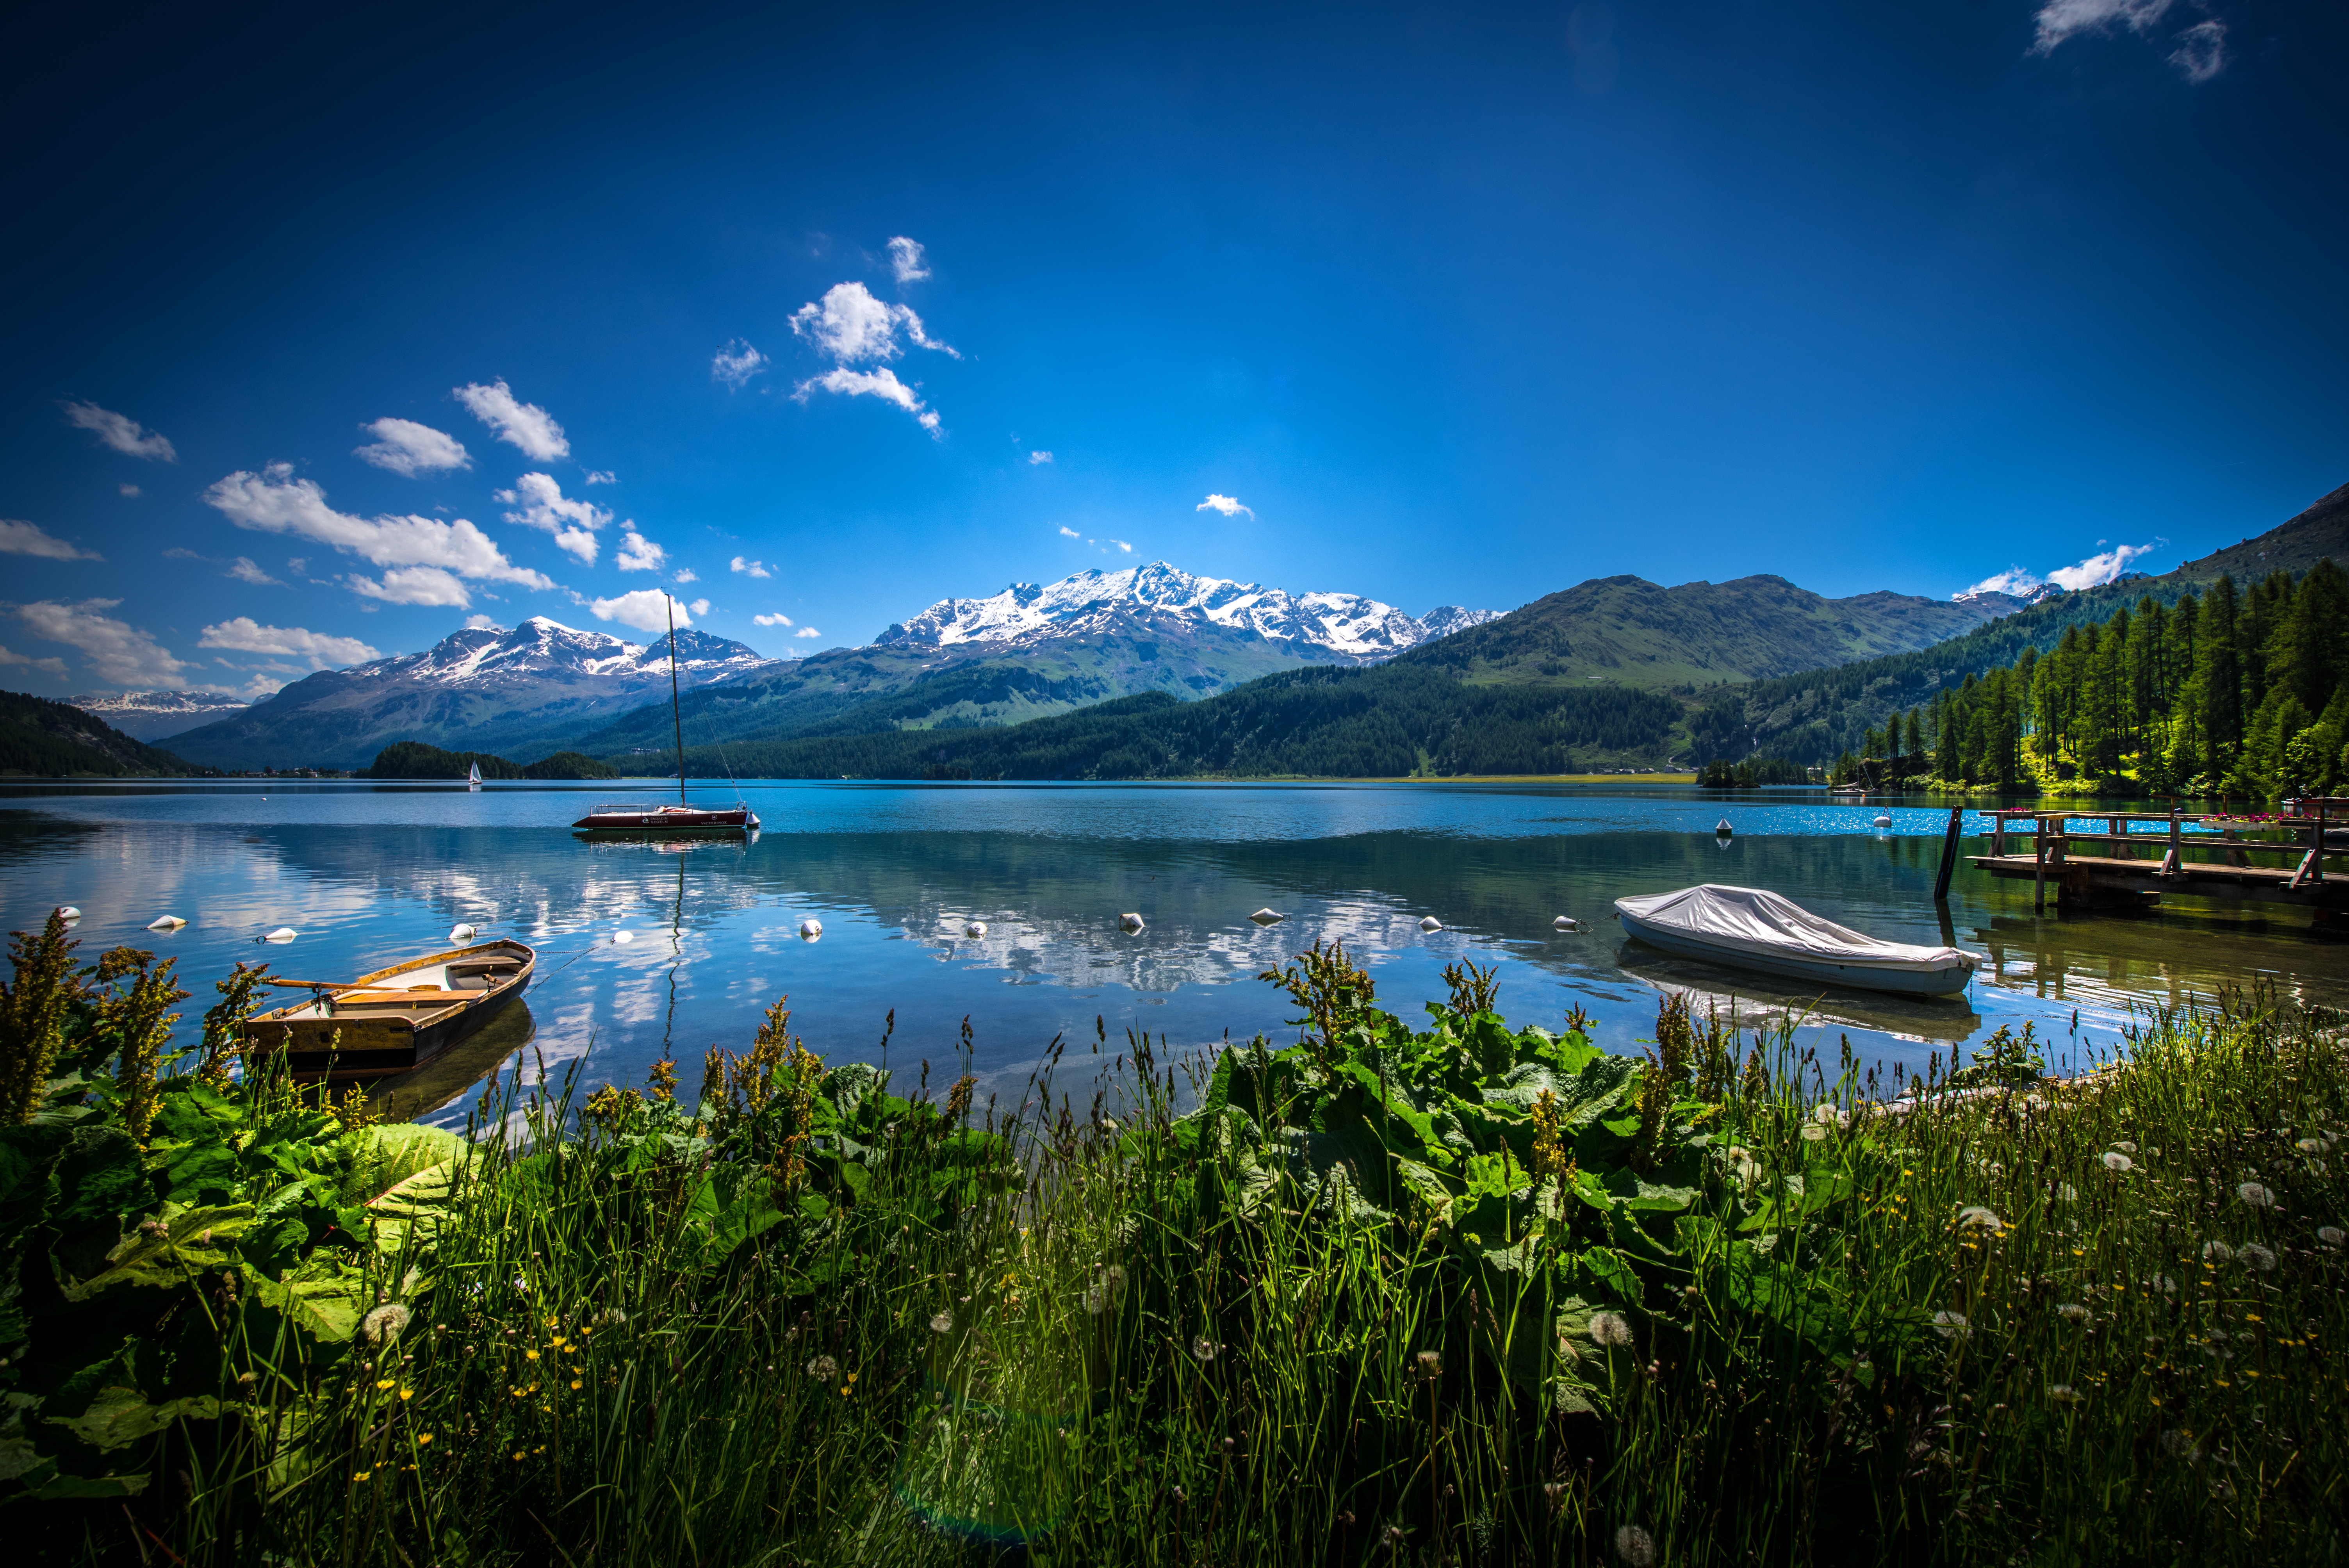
(472, 776)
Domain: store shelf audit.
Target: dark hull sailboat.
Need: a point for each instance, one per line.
(682, 817)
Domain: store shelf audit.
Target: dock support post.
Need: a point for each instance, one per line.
(2170, 862)
(2038, 868)
(1949, 856)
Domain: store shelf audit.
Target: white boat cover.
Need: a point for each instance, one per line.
(1753, 919)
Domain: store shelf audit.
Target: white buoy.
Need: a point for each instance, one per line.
(1132, 921)
(1884, 821)
(1429, 922)
(1723, 826)
(1565, 922)
(974, 929)
(67, 911)
(1267, 916)
(620, 937)
(460, 934)
(165, 923)
(283, 934)
(810, 928)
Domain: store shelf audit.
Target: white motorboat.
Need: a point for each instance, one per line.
(1751, 928)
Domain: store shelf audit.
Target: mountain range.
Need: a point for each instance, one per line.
(150, 715)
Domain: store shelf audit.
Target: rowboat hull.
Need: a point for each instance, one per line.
(394, 1020)
(1859, 975)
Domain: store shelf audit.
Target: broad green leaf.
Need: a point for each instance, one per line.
(193, 1241)
(326, 1307)
(119, 1416)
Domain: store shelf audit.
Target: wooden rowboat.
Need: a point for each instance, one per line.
(394, 1020)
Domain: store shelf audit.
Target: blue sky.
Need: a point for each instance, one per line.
(1454, 305)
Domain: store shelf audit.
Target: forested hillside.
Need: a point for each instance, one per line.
(46, 740)
(2222, 692)
(1387, 721)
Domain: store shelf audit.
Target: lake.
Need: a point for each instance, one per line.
(371, 873)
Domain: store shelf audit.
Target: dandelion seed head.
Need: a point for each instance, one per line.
(2330, 1236)
(1974, 1217)
(1635, 1546)
(2256, 1196)
(1611, 1328)
(2063, 1394)
(942, 1322)
(2116, 1161)
(2125, 1146)
(1815, 1133)
(2071, 1310)
(2309, 1145)
(1952, 1324)
(1204, 1348)
(824, 1369)
(385, 1323)
(2217, 1251)
(1431, 1363)
(2257, 1258)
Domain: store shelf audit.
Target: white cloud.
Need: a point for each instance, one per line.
(543, 506)
(245, 570)
(850, 325)
(523, 425)
(686, 574)
(412, 585)
(1068, 532)
(481, 624)
(638, 553)
(52, 666)
(405, 447)
(2101, 568)
(1122, 544)
(2062, 19)
(296, 565)
(906, 259)
(882, 384)
(807, 631)
(700, 606)
(777, 619)
(2201, 51)
(1036, 458)
(602, 477)
(132, 491)
(645, 609)
(750, 568)
(1228, 505)
(119, 651)
(30, 539)
(123, 434)
(736, 363)
(430, 555)
(2015, 580)
(245, 635)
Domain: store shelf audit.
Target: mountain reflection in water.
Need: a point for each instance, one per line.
(369, 875)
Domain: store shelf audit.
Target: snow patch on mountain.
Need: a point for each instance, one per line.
(1346, 625)
(145, 715)
(539, 647)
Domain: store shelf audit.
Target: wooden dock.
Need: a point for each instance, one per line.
(2139, 856)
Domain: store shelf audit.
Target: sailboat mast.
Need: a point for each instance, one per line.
(675, 717)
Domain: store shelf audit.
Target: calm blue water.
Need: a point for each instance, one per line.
(372, 873)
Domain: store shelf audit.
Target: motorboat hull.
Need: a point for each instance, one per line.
(1860, 974)
(377, 1027)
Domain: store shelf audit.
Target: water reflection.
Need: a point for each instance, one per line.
(896, 875)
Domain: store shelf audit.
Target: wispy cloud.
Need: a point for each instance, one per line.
(750, 568)
(638, 553)
(30, 539)
(482, 624)
(405, 447)
(700, 606)
(1035, 459)
(1122, 544)
(686, 574)
(245, 635)
(602, 477)
(851, 327)
(735, 364)
(906, 259)
(645, 609)
(119, 653)
(245, 570)
(50, 667)
(1068, 532)
(2097, 570)
(427, 556)
(130, 489)
(1228, 505)
(2201, 49)
(777, 619)
(519, 424)
(543, 506)
(882, 384)
(807, 631)
(121, 432)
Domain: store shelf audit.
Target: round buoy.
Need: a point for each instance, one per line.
(618, 937)
(165, 923)
(1132, 921)
(1884, 821)
(1564, 923)
(1429, 922)
(67, 911)
(974, 929)
(1267, 916)
(460, 934)
(810, 928)
(283, 934)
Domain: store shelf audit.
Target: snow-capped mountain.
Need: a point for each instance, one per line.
(145, 715)
(480, 689)
(1348, 627)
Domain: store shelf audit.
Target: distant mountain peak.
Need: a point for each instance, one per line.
(1347, 625)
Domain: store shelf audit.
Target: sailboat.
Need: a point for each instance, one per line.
(683, 816)
(472, 776)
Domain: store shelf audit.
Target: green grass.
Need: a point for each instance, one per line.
(1451, 1295)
